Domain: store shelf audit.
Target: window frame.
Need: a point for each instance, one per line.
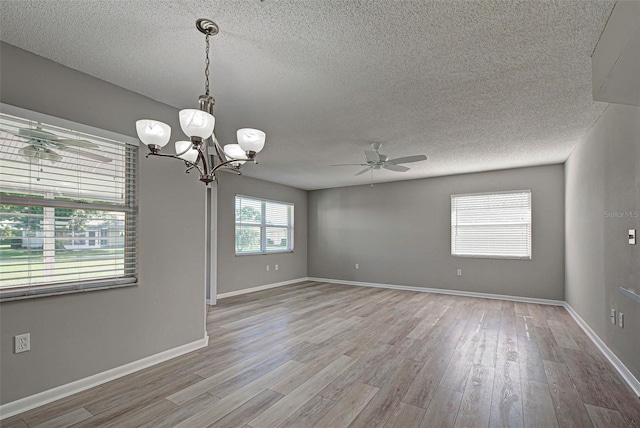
(264, 226)
(129, 208)
(490, 256)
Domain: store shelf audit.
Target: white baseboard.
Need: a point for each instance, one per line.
(41, 398)
(444, 291)
(608, 353)
(261, 287)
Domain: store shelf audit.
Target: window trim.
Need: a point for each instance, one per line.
(55, 289)
(496, 257)
(263, 227)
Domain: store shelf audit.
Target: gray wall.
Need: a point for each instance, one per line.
(240, 272)
(78, 335)
(602, 203)
(399, 233)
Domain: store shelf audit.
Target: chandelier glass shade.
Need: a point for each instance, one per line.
(198, 125)
(251, 140)
(185, 151)
(234, 151)
(152, 132)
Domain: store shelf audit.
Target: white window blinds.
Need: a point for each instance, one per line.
(263, 226)
(68, 210)
(495, 225)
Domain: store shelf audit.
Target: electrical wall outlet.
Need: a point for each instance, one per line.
(276, 267)
(357, 266)
(267, 268)
(22, 343)
(459, 272)
(632, 237)
(613, 316)
(620, 320)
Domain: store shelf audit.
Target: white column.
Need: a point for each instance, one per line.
(212, 242)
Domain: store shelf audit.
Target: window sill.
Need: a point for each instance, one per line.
(62, 289)
(471, 256)
(263, 254)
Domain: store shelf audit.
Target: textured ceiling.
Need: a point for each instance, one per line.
(474, 85)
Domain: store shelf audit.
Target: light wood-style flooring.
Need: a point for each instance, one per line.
(323, 355)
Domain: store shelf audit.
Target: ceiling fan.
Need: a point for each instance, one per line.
(375, 160)
(44, 145)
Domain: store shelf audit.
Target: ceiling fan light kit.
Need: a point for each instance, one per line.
(198, 125)
(39, 153)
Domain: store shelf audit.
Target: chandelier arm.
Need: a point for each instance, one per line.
(205, 165)
(218, 149)
(181, 153)
(217, 167)
(188, 163)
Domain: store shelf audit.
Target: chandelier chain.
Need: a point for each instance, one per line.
(206, 67)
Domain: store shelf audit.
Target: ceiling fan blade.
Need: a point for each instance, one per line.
(363, 171)
(408, 159)
(371, 156)
(37, 134)
(397, 168)
(350, 164)
(93, 156)
(78, 143)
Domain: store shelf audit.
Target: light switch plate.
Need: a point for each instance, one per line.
(632, 237)
(620, 320)
(22, 343)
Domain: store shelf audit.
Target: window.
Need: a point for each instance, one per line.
(493, 225)
(263, 226)
(67, 208)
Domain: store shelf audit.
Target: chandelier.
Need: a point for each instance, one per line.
(198, 125)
